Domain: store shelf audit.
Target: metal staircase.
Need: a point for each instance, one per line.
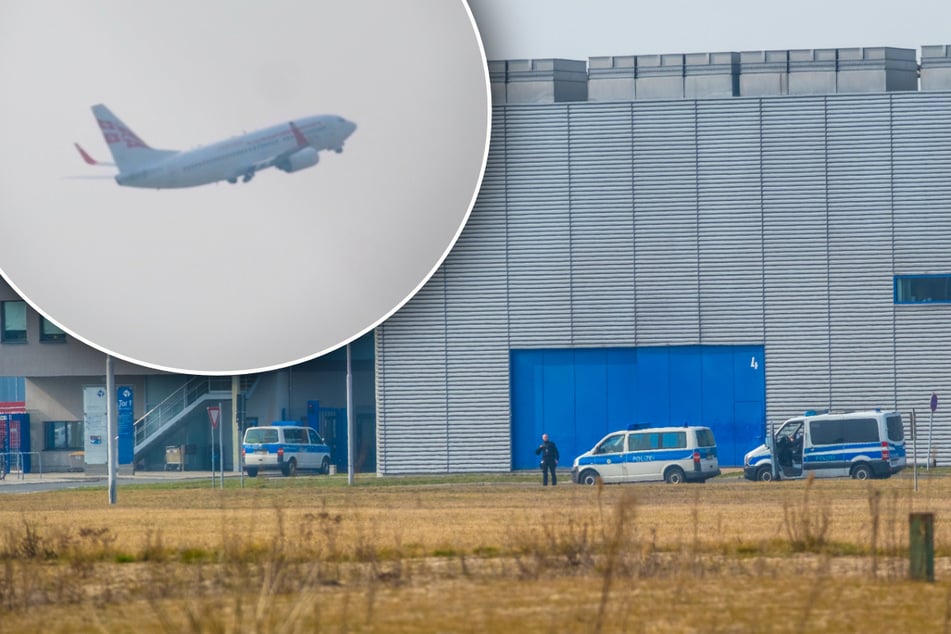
(177, 406)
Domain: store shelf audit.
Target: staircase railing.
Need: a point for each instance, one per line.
(157, 418)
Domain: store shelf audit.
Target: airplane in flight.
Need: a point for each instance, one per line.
(290, 147)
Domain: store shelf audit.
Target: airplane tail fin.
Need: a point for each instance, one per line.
(128, 150)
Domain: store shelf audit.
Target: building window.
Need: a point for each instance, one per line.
(64, 434)
(922, 289)
(50, 332)
(13, 316)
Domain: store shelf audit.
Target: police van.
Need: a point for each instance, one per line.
(643, 454)
(284, 447)
(862, 445)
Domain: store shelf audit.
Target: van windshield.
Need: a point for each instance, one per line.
(613, 444)
(259, 436)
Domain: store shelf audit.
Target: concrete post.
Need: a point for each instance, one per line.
(921, 546)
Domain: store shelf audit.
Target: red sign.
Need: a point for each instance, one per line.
(214, 415)
(13, 407)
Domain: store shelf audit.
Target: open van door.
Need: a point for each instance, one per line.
(789, 448)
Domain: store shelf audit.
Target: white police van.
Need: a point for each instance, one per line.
(862, 445)
(643, 454)
(286, 447)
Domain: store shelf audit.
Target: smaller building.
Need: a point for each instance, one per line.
(59, 386)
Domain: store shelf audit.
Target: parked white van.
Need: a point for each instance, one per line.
(284, 447)
(671, 454)
(863, 445)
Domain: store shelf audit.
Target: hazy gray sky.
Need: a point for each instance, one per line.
(225, 278)
(576, 29)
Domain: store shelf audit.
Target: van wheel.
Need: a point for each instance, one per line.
(589, 477)
(252, 472)
(289, 468)
(325, 466)
(674, 475)
(764, 474)
(861, 471)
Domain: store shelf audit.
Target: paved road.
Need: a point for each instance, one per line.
(33, 482)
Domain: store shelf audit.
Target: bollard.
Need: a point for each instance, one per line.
(921, 546)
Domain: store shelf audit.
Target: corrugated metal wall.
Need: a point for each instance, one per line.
(921, 154)
(796, 253)
(777, 221)
(601, 195)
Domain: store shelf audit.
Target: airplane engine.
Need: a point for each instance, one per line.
(301, 159)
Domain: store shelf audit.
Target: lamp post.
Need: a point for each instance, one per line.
(112, 436)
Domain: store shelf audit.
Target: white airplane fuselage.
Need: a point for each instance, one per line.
(228, 160)
(290, 147)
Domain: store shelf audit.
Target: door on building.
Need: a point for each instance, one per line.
(578, 396)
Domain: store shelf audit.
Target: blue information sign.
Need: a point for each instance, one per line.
(126, 420)
(934, 402)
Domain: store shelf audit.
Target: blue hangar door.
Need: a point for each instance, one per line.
(577, 396)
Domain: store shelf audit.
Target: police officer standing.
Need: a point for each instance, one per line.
(549, 453)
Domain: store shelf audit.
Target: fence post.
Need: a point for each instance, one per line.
(921, 546)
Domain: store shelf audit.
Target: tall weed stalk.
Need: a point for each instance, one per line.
(807, 527)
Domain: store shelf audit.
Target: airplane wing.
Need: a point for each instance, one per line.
(301, 157)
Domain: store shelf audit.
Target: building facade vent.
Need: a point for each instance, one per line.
(821, 71)
(538, 81)
(936, 67)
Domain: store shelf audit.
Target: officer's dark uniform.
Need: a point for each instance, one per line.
(549, 454)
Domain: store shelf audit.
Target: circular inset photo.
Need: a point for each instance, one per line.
(225, 187)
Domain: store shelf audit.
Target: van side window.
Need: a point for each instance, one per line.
(895, 430)
(664, 440)
(838, 431)
(641, 442)
(705, 438)
(294, 436)
(674, 440)
(315, 438)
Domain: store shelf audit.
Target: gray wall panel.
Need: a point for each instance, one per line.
(730, 222)
(539, 239)
(665, 223)
(412, 427)
(602, 225)
(922, 233)
(860, 238)
(477, 328)
(922, 147)
(923, 344)
(795, 237)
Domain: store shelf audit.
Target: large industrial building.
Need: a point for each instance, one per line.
(719, 238)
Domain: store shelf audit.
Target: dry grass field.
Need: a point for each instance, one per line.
(473, 554)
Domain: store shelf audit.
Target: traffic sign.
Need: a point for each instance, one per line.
(214, 415)
(934, 402)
